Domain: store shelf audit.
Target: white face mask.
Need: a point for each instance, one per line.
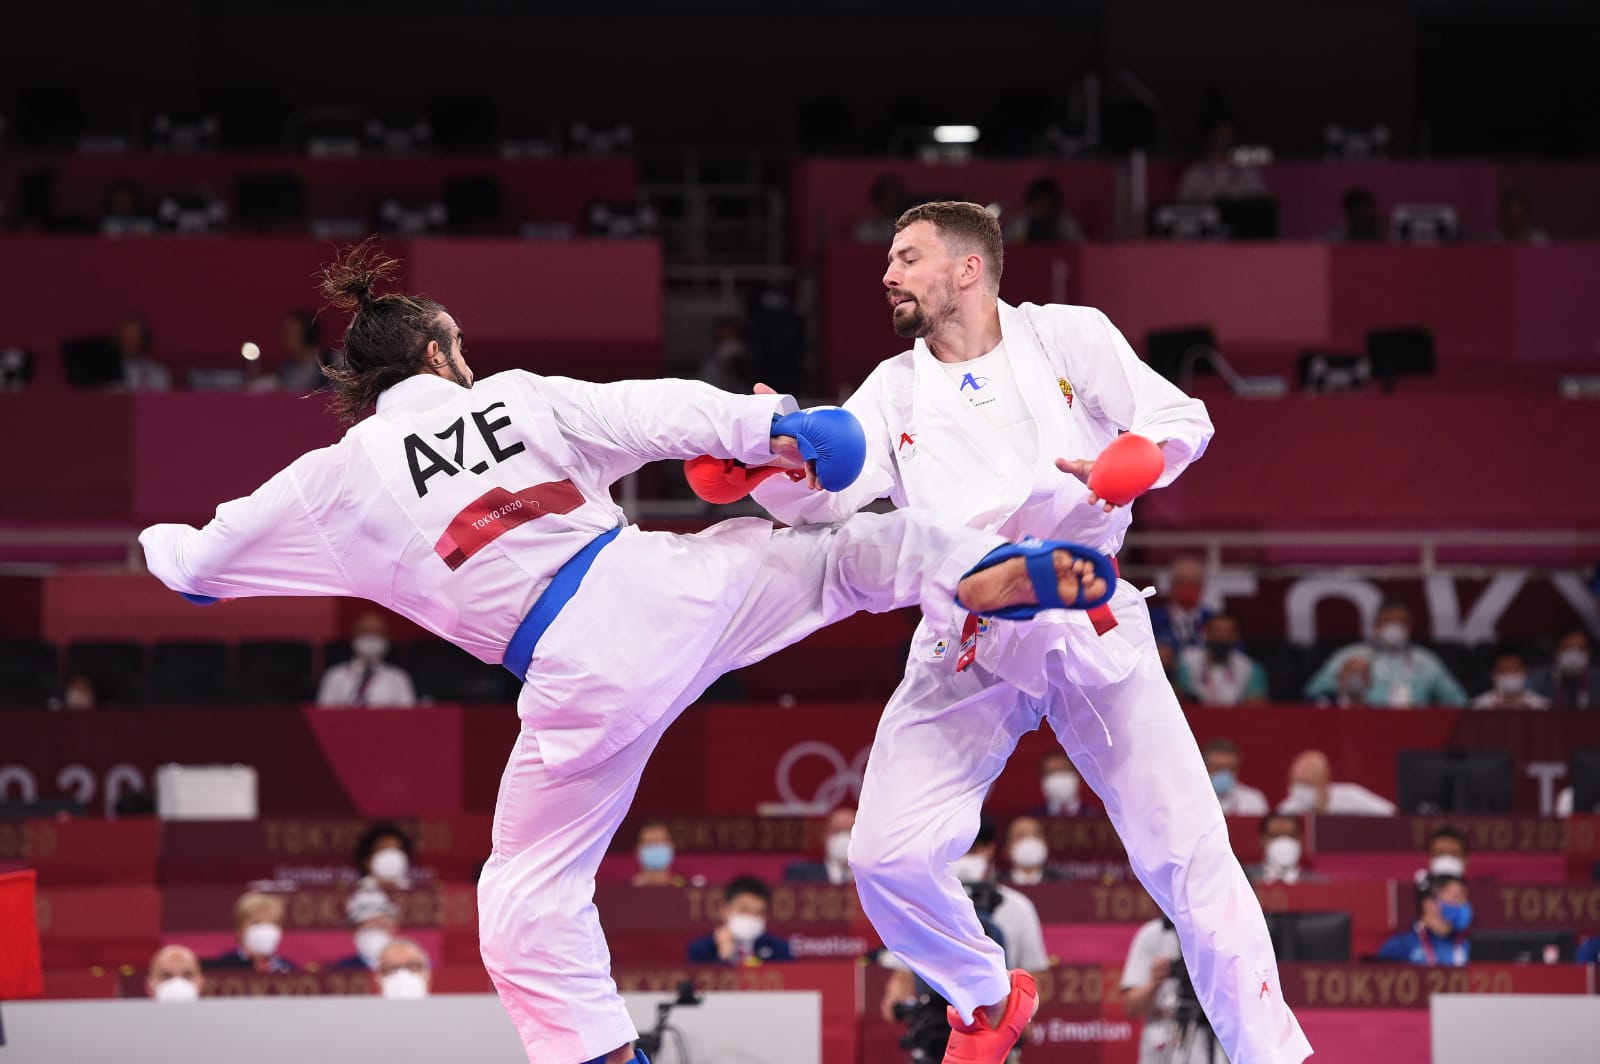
(1060, 788)
(263, 939)
(1392, 635)
(1283, 852)
(1573, 661)
(839, 847)
(177, 989)
(1447, 864)
(1511, 683)
(1303, 797)
(971, 868)
(370, 942)
(390, 865)
(1029, 852)
(404, 985)
(369, 646)
(746, 928)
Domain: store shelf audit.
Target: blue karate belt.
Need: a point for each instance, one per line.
(519, 652)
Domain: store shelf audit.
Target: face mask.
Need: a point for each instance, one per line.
(1186, 596)
(1459, 914)
(262, 939)
(390, 865)
(177, 989)
(839, 847)
(746, 928)
(1573, 660)
(971, 868)
(1223, 782)
(1511, 683)
(1447, 864)
(1303, 796)
(1060, 788)
(404, 985)
(1029, 852)
(371, 941)
(1392, 635)
(655, 856)
(370, 647)
(1283, 852)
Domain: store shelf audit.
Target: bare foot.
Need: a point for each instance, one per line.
(1007, 584)
(621, 1056)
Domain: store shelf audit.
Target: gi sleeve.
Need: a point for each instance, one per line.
(795, 504)
(1117, 386)
(626, 425)
(263, 544)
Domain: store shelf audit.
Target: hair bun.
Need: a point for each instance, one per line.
(348, 282)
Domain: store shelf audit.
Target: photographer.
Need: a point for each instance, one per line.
(1007, 916)
(1156, 987)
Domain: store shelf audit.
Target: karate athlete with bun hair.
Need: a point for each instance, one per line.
(991, 420)
(482, 510)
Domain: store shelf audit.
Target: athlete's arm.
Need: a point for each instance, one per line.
(631, 423)
(263, 544)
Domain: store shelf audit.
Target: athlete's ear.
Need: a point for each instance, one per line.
(434, 355)
(971, 271)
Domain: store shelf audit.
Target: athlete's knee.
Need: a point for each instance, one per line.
(888, 862)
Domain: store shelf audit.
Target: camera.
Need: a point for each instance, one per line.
(650, 1043)
(927, 1023)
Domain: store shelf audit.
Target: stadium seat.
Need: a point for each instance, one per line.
(274, 671)
(29, 672)
(116, 667)
(189, 672)
(446, 674)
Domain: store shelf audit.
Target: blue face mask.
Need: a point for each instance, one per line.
(1223, 782)
(1458, 913)
(655, 856)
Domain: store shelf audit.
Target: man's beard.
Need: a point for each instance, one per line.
(917, 323)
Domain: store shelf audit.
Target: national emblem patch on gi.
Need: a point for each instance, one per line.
(1066, 390)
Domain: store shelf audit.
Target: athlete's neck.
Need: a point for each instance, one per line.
(968, 336)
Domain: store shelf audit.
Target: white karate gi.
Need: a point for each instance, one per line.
(945, 735)
(462, 538)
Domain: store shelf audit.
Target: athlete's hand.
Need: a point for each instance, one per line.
(786, 451)
(1080, 468)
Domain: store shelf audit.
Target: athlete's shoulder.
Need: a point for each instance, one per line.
(1064, 315)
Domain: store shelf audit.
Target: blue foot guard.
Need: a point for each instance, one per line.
(1041, 567)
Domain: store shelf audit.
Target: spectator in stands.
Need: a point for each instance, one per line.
(301, 371)
(404, 971)
(1061, 786)
(1516, 220)
(1510, 690)
(175, 975)
(1218, 673)
(1282, 849)
(727, 365)
(835, 864)
(383, 857)
(1043, 219)
(1351, 685)
(889, 198)
(374, 918)
(1403, 674)
(742, 938)
(1223, 761)
(140, 371)
(1029, 853)
(367, 679)
(79, 693)
(1012, 912)
(1447, 852)
(653, 848)
(1150, 989)
(1363, 222)
(1217, 175)
(1312, 790)
(1573, 681)
(1179, 621)
(258, 921)
(1439, 937)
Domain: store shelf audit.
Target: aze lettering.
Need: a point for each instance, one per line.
(425, 462)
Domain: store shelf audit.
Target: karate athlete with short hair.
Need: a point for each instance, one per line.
(986, 421)
(477, 508)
